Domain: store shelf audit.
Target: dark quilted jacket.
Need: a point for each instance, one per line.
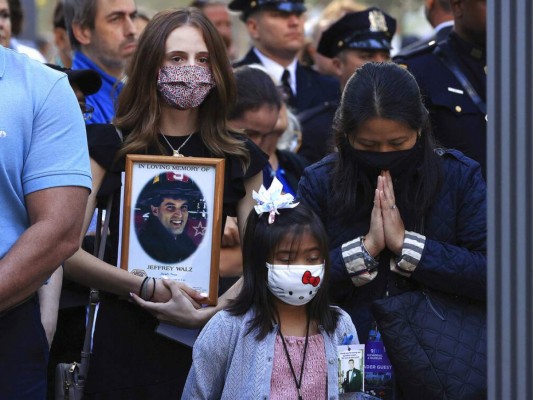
(453, 261)
(454, 257)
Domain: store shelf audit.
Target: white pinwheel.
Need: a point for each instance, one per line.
(272, 199)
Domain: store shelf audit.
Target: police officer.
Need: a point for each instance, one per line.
(358, 38)
(452, 77)
(355, 39)
(277, 32)
(439, 15)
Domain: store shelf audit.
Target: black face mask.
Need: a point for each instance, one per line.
(396, 162)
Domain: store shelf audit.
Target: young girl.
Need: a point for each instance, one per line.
(278, 338)
(174, 102)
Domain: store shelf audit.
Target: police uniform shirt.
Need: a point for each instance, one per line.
(473, 61)
(456, 120)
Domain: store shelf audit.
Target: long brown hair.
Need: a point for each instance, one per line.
(138, 109)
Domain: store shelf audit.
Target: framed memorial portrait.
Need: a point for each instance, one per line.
(171, 217)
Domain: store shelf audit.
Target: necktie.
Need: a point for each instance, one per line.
(286, 87)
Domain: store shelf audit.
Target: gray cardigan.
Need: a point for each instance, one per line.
(227, 364)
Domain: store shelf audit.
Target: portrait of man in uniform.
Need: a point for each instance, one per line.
(166, 203)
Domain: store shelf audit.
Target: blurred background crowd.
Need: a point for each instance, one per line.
(37, 28)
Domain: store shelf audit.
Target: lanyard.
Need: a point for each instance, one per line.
(296, 381)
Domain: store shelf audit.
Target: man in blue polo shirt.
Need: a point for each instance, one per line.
(44, 184)
(104, 37)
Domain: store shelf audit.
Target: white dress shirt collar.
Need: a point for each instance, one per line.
(276, 70)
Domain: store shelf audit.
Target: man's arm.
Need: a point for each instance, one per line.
(56, 216)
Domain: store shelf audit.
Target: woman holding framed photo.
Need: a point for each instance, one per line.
(175, 101)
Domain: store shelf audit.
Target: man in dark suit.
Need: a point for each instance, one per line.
(452, 78)
(277, 32)
(354, 379)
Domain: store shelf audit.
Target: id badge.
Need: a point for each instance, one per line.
(379, 377)
(351, 370)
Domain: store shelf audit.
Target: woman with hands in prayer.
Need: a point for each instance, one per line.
(400, 213)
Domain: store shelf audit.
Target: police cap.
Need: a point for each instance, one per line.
(169, 184)
(247, 7)
(369, 29)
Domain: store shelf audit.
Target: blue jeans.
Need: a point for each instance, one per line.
(23, 353)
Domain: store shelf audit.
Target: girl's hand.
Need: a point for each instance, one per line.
(394, 230)
(375, 238)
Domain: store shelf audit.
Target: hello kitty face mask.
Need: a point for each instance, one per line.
(294, 284)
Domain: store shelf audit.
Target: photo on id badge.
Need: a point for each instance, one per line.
(351, 370)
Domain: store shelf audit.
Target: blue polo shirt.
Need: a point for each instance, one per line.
(43, 143)
(104, 100)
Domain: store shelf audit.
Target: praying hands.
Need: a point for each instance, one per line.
(386, 226)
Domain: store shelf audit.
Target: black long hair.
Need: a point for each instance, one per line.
(383, 90)
(259, 245)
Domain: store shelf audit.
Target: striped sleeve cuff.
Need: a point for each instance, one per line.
(352, 254)
(413, 246)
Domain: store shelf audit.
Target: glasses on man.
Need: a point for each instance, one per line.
(87, 111)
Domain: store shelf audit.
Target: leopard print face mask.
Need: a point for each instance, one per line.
(185, 86)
